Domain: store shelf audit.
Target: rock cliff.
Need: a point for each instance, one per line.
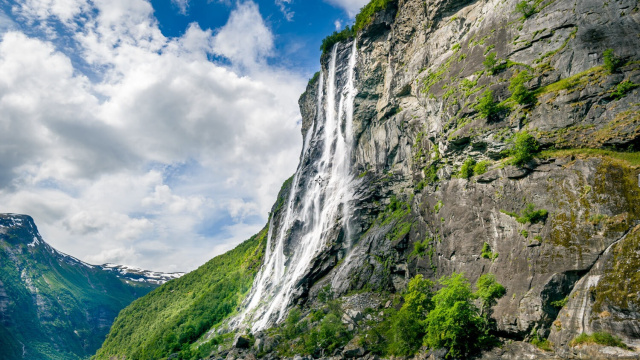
(421, 69)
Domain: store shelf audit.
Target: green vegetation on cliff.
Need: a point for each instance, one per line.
(447, 318)
(600, 338)
(523, 149)
(528, 215)
(367, 13)
(486, 106)
(611, 62)
(319, 335)
(628, 158)
(336, 37)
(363, 19)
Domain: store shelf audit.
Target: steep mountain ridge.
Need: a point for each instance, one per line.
(452, 101)
(52, 305)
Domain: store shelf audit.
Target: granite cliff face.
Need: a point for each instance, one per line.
(420, 71)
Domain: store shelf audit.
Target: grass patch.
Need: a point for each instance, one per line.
(490, 62)
(611, 62)
(314, 78)
(526, 9)
(524, 148)
(572, 82)
(364, 18)
(466, 171)
(399, 231)
(486, 105)
(600, 338)
(528, 215)
(597, 219)
(336, 37)
(438, 206)
(623, 89)
(480, 167)
(519, 92)
(395, 210)
(434, 77)
(630, 158)
(560, 303)
(541, 343)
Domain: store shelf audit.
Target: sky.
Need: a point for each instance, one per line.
(154, 133)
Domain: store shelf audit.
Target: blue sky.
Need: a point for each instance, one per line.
(154, 133)
(298, 29)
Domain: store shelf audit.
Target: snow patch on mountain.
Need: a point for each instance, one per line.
(140, 275)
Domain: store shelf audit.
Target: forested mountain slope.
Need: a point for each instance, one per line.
(53, 306)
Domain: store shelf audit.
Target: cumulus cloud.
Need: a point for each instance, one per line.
(162, 160)
(352, 7)
(245, 39)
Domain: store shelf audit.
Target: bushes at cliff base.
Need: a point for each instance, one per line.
(447, 319)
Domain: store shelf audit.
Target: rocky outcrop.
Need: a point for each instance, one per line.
(420, 71)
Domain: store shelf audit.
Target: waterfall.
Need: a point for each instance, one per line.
(318, 202)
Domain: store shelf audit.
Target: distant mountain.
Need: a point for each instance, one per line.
(54, 306)
(140, 275)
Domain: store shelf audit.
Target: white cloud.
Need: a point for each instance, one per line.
(183, 6)
(338, 25)
(352, 7)
(65, 11)
(282, 4)
(245, 39)
(94, 161)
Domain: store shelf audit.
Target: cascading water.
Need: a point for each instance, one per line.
(319, 203)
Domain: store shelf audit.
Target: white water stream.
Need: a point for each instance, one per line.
(319, 203)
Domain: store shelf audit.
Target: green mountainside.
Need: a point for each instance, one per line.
(175, 315)
(53, 306)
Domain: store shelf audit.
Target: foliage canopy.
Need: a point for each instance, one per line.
(524, 147)
(363, 19)
(486, 105)
(611, 62)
